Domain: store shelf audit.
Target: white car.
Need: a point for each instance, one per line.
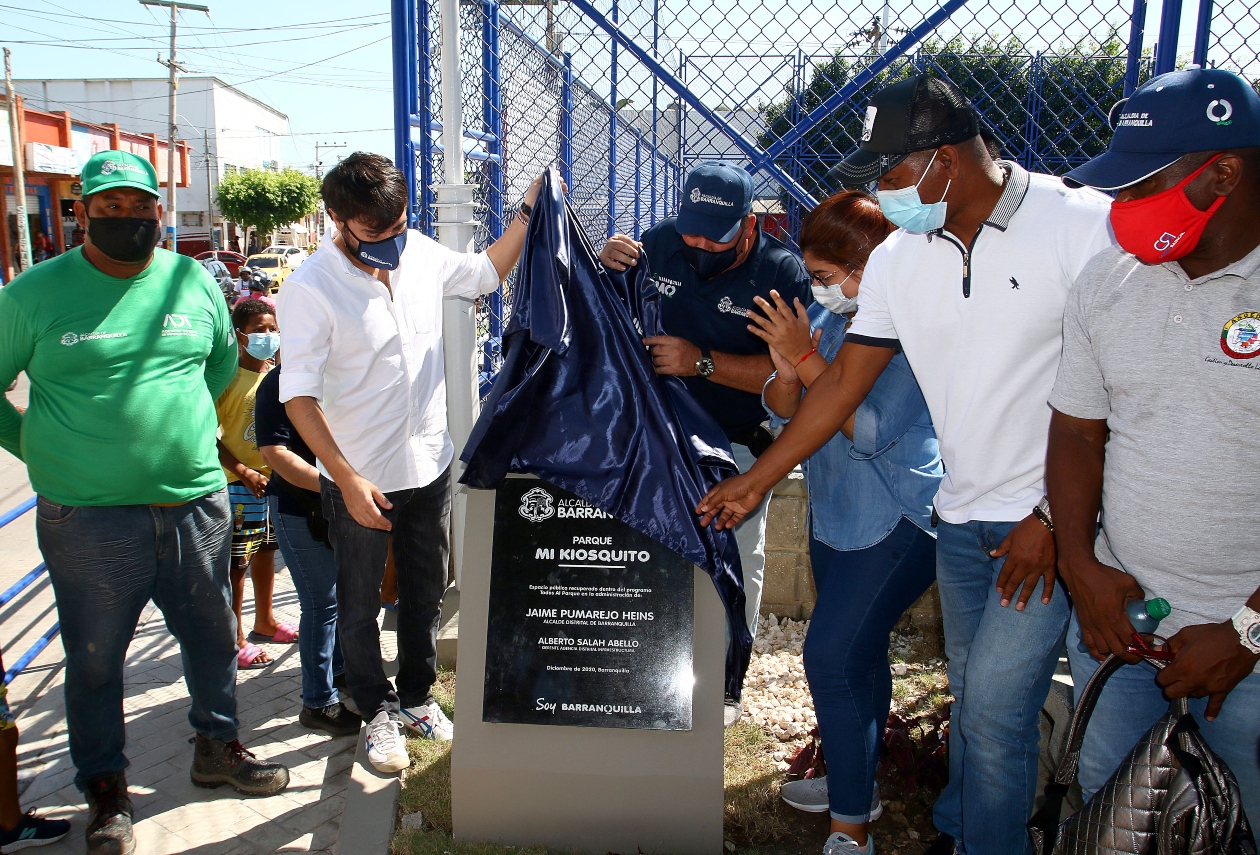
(292, 255)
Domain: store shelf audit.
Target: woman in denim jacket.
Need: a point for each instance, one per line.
(870, 500)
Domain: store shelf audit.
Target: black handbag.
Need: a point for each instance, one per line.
(1172, 795)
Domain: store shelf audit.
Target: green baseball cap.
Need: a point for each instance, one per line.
(107, 169)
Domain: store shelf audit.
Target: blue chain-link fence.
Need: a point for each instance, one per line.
(626, 95)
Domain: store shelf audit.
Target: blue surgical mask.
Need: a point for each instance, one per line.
(381, 254)
(905, 209)
(263, 345)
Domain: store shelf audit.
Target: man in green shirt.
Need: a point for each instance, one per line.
(127, 347)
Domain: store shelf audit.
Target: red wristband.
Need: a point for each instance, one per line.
(795, 382)
(812, 351)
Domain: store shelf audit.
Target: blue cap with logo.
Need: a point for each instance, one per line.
(1167, 117)
(716, 198)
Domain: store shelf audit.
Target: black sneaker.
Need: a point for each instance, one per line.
(942, 845)
(334, 719)
(109, 808)
(32, 830)
(217, 762)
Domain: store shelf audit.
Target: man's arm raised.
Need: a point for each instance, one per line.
(832, 399)
(361, 496)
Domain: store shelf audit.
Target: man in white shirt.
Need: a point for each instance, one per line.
(971, 288)
(364, 383)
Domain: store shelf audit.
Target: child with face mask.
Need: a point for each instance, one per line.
(253, 541)
(870, 496)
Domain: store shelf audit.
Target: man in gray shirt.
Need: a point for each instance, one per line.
(1161, 347)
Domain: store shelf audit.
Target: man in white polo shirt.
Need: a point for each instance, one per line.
(1161, 434)
(363, 381)
(971, 288)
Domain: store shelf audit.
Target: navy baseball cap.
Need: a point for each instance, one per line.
(1167, 117)
(715, 200)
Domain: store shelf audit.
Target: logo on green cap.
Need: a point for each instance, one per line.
(118, 169)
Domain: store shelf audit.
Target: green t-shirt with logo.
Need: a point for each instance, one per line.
(124, 374)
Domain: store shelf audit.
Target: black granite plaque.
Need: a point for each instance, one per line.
(590, 621)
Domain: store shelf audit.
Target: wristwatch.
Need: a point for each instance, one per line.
(704, 365)
(1247, 622)
(1042, 512)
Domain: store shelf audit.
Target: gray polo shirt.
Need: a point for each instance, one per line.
(1173, 365)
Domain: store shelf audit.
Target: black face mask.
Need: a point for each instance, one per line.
(125, 239)
(709, 264)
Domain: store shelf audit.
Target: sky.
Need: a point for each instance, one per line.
(326, 64)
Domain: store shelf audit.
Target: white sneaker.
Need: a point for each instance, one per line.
(810, 794)
(427, 721)
(385, 747)
(840, 843)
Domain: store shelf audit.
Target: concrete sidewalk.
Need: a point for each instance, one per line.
(172, 815)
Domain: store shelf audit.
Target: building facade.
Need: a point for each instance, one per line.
(55, 145)
(225, 129)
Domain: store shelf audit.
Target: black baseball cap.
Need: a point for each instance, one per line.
(915, 114)
(1168, 117)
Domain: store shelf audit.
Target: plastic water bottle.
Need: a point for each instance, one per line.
(1145, 616)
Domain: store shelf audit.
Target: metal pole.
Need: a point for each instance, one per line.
(1203, 33)
(214, 244)
(612, 133)
(403, 38)
(1137, 32)
(172, 130)
(1169, 27)
(566, 121)
(457, 227)
(656, 37)
(19, 168)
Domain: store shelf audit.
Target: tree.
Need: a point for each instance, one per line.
(267, 200)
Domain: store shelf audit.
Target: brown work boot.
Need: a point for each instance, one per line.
(109, 808)
(217, 762)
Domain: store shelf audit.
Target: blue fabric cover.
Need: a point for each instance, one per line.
(577, 404)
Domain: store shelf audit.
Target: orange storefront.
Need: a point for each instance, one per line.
(54, 147)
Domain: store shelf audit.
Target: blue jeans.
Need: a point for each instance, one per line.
(1001, 662)
(421, 551)
(315, 580)
(1132, 701)
(861, 595)
(105, 564)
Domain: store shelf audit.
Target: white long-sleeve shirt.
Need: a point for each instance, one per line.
(374, 360)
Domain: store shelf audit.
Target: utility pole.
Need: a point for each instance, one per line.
(214, 244)
(172, 130)
(19, 174)
(319, 173)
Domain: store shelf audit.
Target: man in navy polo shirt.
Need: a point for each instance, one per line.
(708, 263)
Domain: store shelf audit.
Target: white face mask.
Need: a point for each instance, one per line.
(833, 299)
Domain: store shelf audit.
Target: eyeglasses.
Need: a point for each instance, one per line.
(825, 281)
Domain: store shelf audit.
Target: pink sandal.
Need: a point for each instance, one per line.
(286, 633)
(250, 657)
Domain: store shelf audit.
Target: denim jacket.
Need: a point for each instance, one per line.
(860, 490)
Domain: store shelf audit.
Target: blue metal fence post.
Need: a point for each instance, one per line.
(1169, 26)
(612, 133)
(1203, 33)
(1137, 32)
(492, 115)
(638, 183)
(656, 38)
(566, 121)
(425, 113)
(406, 98)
